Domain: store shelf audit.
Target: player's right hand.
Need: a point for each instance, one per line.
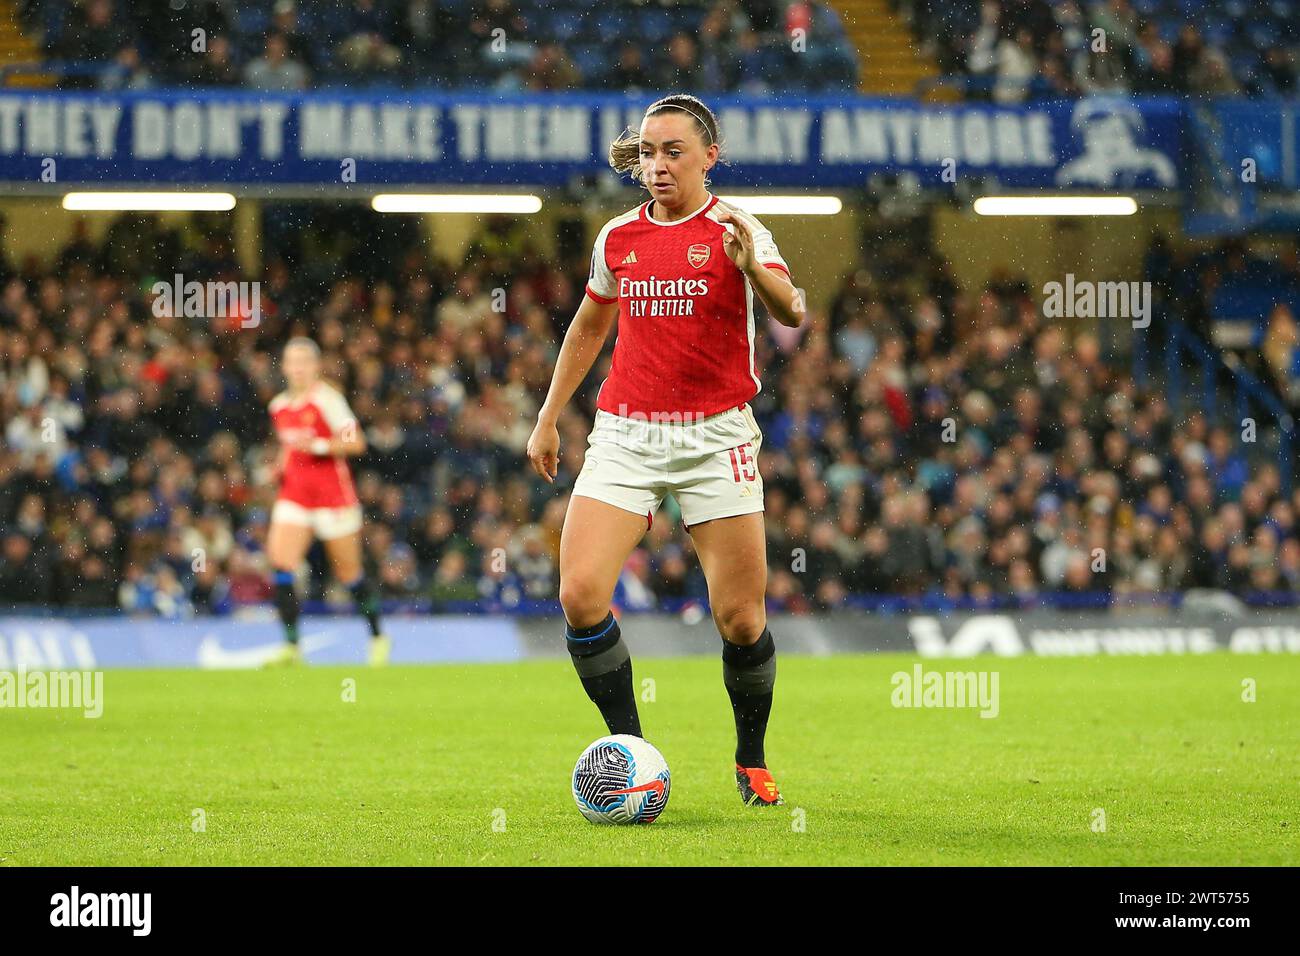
(544, 450)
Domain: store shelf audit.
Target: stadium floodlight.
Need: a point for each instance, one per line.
(149, 202)
(772, 205)
(456, 202)
(1055, 206)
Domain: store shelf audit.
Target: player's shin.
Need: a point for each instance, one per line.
(749, 673)
(287, 604)
(368, 607)
(605, 668)
(367, 604)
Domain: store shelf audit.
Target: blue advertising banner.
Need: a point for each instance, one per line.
(1263, 134)
(87, 644)
(38, 643)
(259, 140)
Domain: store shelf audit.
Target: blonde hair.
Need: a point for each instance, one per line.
(625, 152)
(302, 342)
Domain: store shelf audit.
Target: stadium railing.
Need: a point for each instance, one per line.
(1184, 350)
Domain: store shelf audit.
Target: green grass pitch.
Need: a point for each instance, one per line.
(470, 764)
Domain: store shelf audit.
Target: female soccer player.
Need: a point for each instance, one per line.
(317, 431)
(680, 273)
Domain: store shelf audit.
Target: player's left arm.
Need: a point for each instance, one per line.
(751, 247)
(778, 293)
(349, 442)
(346, 438)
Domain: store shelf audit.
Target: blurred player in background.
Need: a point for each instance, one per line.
(680, 273)
(317, 432)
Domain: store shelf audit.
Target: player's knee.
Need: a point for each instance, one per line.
(583, 602)
(742, 622)
(281, 557)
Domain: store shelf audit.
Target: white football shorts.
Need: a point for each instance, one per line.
(326, 523)
(709, 466)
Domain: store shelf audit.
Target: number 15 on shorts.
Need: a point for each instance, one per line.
(742, 462)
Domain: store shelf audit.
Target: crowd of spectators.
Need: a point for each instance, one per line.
(1013, 50)
(702, 46)
(921, 440)
(1007, 50)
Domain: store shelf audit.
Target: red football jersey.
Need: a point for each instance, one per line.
(314, 481)
(685, 341)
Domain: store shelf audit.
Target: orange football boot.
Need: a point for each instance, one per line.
(757, 788)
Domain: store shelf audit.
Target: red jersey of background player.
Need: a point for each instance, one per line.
(685, 312)
(314, 481)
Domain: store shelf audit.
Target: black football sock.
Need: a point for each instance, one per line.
(367, 606)
(286, 602)
(605, 668)
(749, 673)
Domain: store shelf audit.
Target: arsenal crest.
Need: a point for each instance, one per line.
(698, 254)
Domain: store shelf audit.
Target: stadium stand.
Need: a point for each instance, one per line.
(159, 434)
(722, 45)
(131, 440)
(1006, 50)
(1011, 50)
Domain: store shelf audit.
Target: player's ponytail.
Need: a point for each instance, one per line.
(625, 152)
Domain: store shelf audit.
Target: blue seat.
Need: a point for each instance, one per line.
(251, 20)
(613, 26)
(1244, 63)
(656, 26)
(593, 59)
(1263, 34)
(689, 19)
(564, 25)
(1218, 32)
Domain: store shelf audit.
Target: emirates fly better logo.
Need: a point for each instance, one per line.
(655, 297)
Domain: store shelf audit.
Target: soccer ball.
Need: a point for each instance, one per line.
(621, 779)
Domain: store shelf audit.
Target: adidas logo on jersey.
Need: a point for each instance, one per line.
(631, 258)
